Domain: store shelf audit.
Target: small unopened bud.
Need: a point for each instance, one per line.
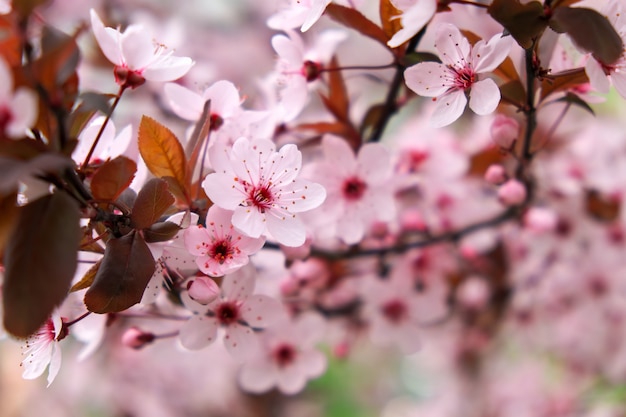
(136, 338)
(541, 220)
(412, 221)
(473, 293)
(495, 174)
(203, 290)
(504, 131)
(512, 193)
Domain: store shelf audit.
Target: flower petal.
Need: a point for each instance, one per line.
(168, 69)
(487, 56)
(454, 49)
(240, 341)
(449, 108)
(484, 97)
(198, 332)
(184, 102)
(286, 228)
(428, 79)
(108, 39)
(260, 311)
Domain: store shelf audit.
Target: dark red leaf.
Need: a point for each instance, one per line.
(562, 82)
(524, 22)
(152, 201)
(161, 232)
(40, 262)
(590, 31)
(354, 19)
(126, 269)
(113, 177)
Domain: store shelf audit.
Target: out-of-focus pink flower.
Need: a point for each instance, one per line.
(136, 56)
(42, 350)
(302, 13)
(512, 192)
(287, 357)
(110, 145)
(225, 102)
(18, 109)
(504, 131)
(237, 310)
(136, 338)
(203, 290)
(495, 174)
(220, 249)
(459, 75)
(298, 66)
(358, 187)
(415, 15)
(260, 185)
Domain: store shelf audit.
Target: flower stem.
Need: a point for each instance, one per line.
(101, 131)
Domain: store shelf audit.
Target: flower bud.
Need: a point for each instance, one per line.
(203, 290)
(473, 293)
(541, 220)
(495, 174)
(504, 131)
(136, 338)
(512, 193)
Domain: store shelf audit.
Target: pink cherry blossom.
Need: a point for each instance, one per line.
(415, 15)
(225, 101)
(287, 357)
(302, 13)
(459, 74)
(110, 145)
(260, 185)
(357, 185)
(42, 350)
(135, 55)
(237, 310)
(18, 109)
(298, 66)
(220, 249)
(601, 74)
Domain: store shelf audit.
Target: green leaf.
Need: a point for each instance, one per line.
(123, 275)
(354, 19)
(590, 31)
(161, 232)
(40, 262)
(112, 178)
(524, 22)
(152, 201)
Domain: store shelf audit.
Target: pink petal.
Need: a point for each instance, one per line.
(224, 98)
(258, 376)
(619, 82)
(597, 77)
(313, 363)
(198, 332)
(316, 11)
(454, 48)
(487, 56)
(484, 97)
(249, 221)
(137, 47)
(449, 108)
(184, 102)
(303, 195)
(291, 380)
(168, 69)
(291, 50)
(339, 155)
(286, 164)
(24, 112)
(6, 80)
(218, 187)
(286, 228)
(194, 238)
(55, 363)
(428, 79)
(108, 39)
(240, 341)
(374, 163)
(261, 311)
(294, 96)
(239, 285)
(413, 20)
(350, 229)
(309, 329)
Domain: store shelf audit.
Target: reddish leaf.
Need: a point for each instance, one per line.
(126, 269)
(337, 101)
(389, 16)
(152, 201)
(602, 208)
(162, 152)
(87, 279)
(113, 177)
(562, 81)
(563, 3)
(87, 242)
(198, 137)
(524, 22)
(40, 262)
(9, 210)
(26, 7)
(10, 43)
(513, 93)
(161, 232)
(590, 31)
(354, 19)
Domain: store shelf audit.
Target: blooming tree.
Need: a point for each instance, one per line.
(300, 207)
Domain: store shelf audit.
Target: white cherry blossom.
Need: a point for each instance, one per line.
(135, 55)
(259, 184)
(41, 350)
(459, 74)
(415, 15)
(302, 13)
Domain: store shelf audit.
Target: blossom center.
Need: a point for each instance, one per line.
(5, 117)
(354, 188)
(464, 77)
(284, 354)
(394, 310)
(260, 197)
(221, 251)
(126, 77)
(227, 313)
(311, 70)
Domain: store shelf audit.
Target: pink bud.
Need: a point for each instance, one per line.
(203, 290)
(412, 221)
(540, 220)
(495, 174)
(512, 193)
(504, 131)
(136, 338)
(473, 293)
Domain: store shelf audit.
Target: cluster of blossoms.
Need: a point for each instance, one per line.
(282, 223)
